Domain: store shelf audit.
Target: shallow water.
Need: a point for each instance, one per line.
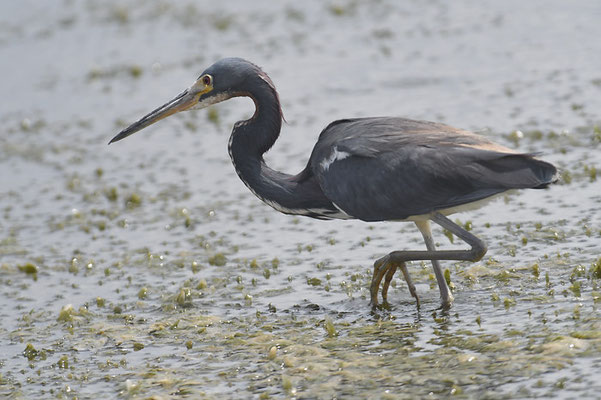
(146, 268)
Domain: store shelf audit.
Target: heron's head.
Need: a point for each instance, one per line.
(227, 78)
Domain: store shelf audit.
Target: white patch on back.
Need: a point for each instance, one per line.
(335, 156)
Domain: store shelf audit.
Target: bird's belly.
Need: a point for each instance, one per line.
(457, 209)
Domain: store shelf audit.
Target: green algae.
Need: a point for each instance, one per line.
(314, 281)
(28, 268)
(134, 200)
(63, 362)
(213, 115)
(330, 328)
(183, 297)
(30, 352)
(575, 288)
(213, 329)
(363, 350)
(111, 194)
(217, 260)
(67, 314)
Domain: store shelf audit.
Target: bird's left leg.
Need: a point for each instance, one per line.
(403, 267)
(387, 279)
(386, 269)
(381, 269)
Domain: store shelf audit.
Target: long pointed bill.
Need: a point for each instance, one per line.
(182, 102)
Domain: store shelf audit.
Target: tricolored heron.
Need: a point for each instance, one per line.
(372, 169)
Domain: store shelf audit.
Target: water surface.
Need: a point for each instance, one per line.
(146, 268)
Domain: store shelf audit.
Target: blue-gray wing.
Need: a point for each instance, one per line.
(390, 168)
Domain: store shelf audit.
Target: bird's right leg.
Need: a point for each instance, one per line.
(446, 296)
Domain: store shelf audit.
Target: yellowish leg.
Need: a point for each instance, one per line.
(388, 278)
(381, 267)
(387, 265)
(384, 268)
(446, 296)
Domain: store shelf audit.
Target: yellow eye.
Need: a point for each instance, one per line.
(207, 80)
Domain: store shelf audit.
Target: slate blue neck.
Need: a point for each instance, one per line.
(250, 139)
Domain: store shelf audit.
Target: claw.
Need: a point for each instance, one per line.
(385, 268)
(410, 285)
(381, 266)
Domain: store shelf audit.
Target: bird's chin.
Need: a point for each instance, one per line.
(208, 100)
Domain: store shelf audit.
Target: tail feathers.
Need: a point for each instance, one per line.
(546, 172)
(521, 171)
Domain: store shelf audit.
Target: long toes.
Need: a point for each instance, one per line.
(373, 290)
(410, 284)
(414, 294)
(387, 280)
(373, 298)
(379, 272)
(374, 287)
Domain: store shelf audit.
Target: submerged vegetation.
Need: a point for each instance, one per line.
(149, 271)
